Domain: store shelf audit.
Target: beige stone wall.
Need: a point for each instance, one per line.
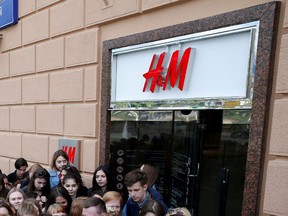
(50, 72)
(275, 187)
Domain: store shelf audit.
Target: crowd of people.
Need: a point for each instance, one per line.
(60, 191)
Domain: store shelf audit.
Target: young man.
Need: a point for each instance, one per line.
(94, 206)
(136, 183)
(20, 172)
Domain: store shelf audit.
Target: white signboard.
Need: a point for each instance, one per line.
(218, 67)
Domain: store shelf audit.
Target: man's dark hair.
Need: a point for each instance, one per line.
(135, 176)
(20, 162)
(94, 201)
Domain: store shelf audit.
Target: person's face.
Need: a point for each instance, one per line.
(59, 214)
(114, 205)
(71, 186)
(150, 214)
(4, 211)
(39, 183)
(15, 199)
(137, 192)
(62, 201)
(7, 184)
(63, 173)
(61, 163)
(101, 178)
(92, 211)
(38, 199)
(21, 171)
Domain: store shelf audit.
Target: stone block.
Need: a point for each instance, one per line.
(39, 144)
(81, 48)
(80, 120)
(22, 118)
(90, 155)
(53, 147)
(35, 89)
(282, 75)
(4, 65)
(66, 86)
(26, 7)
(99, 11)
(87, 179)
(12, 37)
(279, 135)
(91, 91)
(5, 165)
(22, 61)
(150, 4)
(4, 118)
(285, 22)
(50, 119)
(44, 3)
(50, 55)
(10, 144)
(66, 17)
(35, 27)
(10, 91)
(276, 190)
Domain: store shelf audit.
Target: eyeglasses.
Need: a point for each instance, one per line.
(172, 211)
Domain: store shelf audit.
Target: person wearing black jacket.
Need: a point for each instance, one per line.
(20, 172)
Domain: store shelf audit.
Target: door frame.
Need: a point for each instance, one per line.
(268, 15)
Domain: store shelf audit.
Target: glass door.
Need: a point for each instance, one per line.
(201, 155)
(223, 164)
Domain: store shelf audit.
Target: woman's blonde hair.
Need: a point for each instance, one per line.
(174, 211)
(55, 208)
(29, 207)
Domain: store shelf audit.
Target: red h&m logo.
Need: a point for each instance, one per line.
(71, 152)
(174, 71)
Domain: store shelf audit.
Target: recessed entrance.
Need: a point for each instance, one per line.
(201, 155)
(262, 67)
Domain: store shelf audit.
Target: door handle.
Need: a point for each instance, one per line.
(197, 172)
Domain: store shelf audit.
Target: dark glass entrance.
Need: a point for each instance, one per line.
(201, 155)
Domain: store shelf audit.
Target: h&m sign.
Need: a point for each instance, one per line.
(160, 76)
(72, 148)
(213, 64)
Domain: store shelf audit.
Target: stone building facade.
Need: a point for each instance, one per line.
(51, 75)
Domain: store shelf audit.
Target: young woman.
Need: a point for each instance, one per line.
(56, 210)
(59, 162)
(82, 191)
(15, 197)
(61, 196)
(102, 180)
(178, 211)
(7, 184)
(5, 209)
(152, 208)
(29, 207)
(39, 183)
(152, 172)
(3, 190)
(31, 171)
(73, 185)
(113, 202)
